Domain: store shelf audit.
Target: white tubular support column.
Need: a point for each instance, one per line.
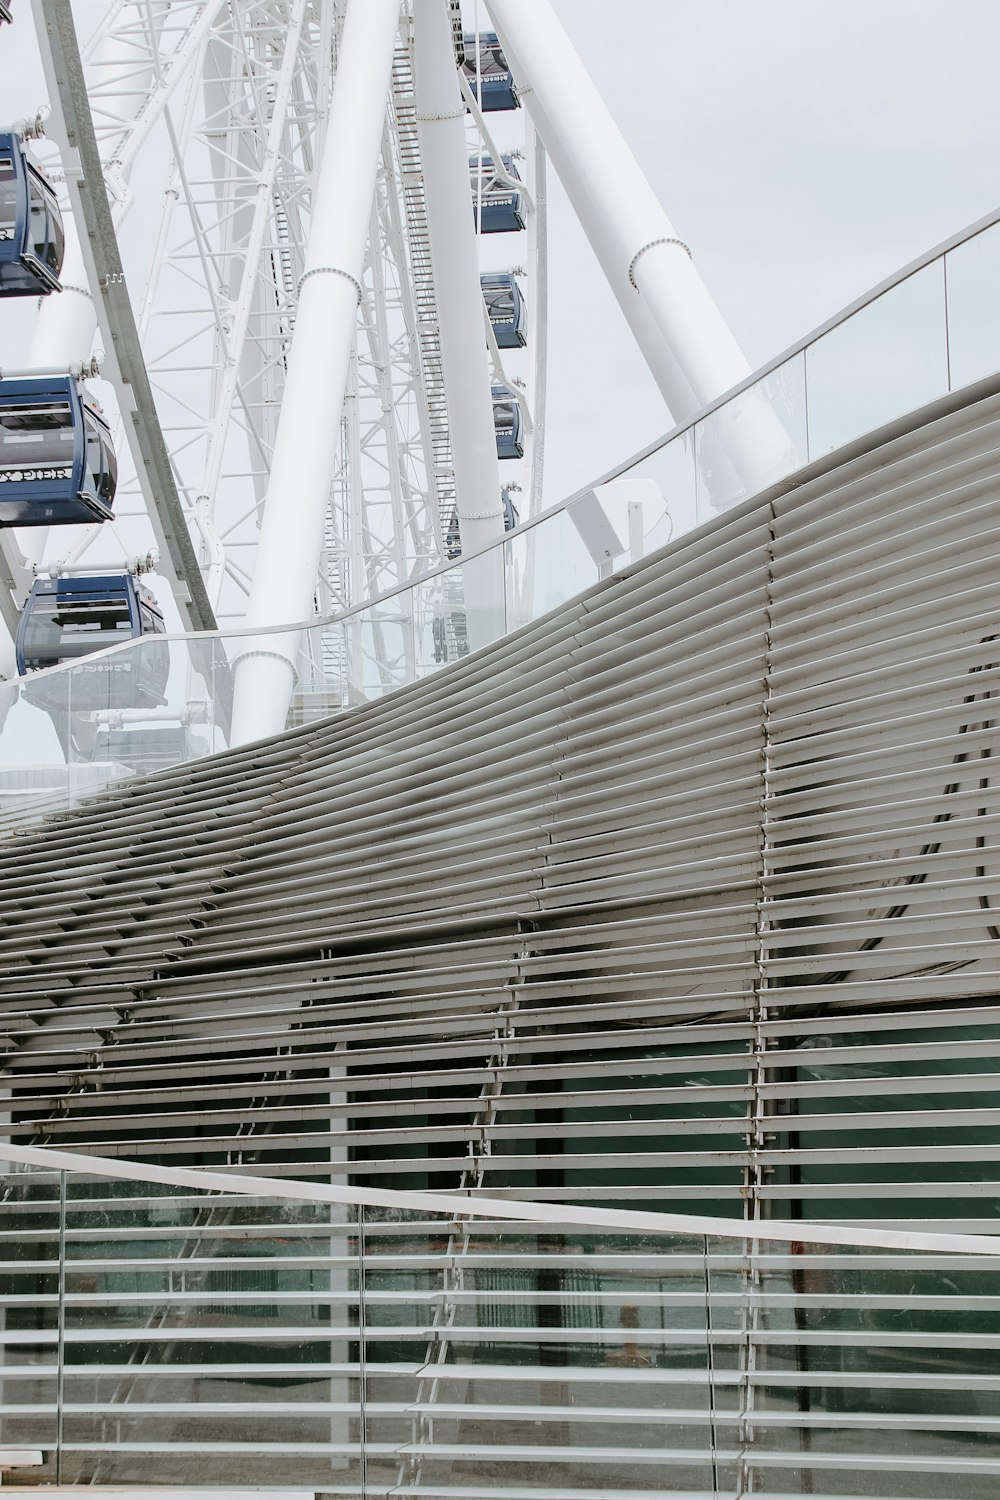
(639, 249)
(455, 261)
(66, 322)
(298, 490)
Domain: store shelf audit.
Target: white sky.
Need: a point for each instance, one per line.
(804, 149)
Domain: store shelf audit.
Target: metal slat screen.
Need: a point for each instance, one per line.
(683, 897)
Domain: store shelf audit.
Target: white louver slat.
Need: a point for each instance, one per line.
(685, 896)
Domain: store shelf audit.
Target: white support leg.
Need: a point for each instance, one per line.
(643, 258)
(292, 527)
(444, 159)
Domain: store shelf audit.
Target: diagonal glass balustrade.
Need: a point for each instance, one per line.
(307, 1336)
(933, 330)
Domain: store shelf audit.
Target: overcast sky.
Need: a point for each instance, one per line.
(804, 149)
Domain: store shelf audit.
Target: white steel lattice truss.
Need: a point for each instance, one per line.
(227, 105)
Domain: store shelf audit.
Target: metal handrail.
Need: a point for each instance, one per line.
(624, 1221)
(758, 376)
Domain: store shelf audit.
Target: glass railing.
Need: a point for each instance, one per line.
(933, 330)
(207, 1329)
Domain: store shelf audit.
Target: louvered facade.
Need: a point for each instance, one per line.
(685, 897)
(682, 896)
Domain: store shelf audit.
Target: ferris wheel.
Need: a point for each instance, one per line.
(290, 353)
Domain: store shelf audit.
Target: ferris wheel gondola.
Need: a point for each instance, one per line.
(32, 242)
(65, 619)
(504, 210)
(498, 89)
(505, 308)
(57, 460)
(508, 422)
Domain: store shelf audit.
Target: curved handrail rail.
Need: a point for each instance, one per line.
(625, 1221)
(756, 378)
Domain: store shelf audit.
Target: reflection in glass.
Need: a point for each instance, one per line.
(673, 472)
(29, 1335)
(546, 565)
(755, 439)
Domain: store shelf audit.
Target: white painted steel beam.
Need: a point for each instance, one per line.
(643, 257)
(444, 156)
(463, 1204)
(305, 450)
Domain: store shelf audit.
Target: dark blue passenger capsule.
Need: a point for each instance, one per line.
(57, 464)
(503, 205)
(498, 85)
(508, 423)
(31, 227)
(505, 306)
(68, 618)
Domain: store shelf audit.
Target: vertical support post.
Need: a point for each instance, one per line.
(455, 264)
(339, 1280)
(294, 513)
(537, 312)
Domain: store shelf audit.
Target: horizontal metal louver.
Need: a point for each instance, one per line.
(686, 896)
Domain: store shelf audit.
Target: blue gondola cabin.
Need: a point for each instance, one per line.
(503, 205)
(65, 619)
(508, 423)
(505, 308)
(57, 463)
(498, 84)
(31, 228)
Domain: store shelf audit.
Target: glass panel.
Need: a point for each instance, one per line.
(8, 199)
(752, 441)
(61, 628)
(38, 226)
(442, 619)
(672, 469)
(29, 1329)
(874, 1372)
(34, 436)
(56, 247)
(500, 302)
(109, 471)
(213, 686)
(546, 565)
(502, 1356)
(615, 499)
(34, 748)
(172, 1335)
(209, 1337)
(320, 686)
(491, 62)
(888, 359)
(439, 621)
(383, 658)
(973, 272)
(483, 589)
